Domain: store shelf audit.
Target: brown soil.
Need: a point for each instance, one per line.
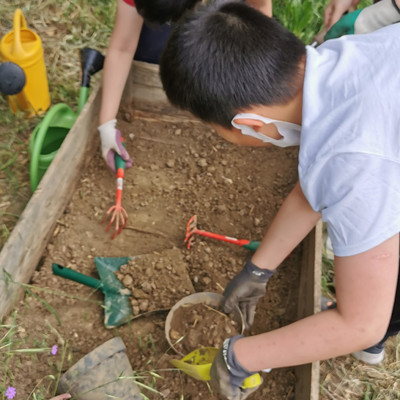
(179, 170)
(200, 325)
(156, 281)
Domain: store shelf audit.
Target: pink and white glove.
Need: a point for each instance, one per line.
(111, 143)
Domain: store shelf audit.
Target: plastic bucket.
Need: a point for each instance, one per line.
(23, 47)
(209, 298)
(103, 374)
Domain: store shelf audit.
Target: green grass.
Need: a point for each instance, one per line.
(17, 349)
(25, 346)
(64, 27)
(303, 18)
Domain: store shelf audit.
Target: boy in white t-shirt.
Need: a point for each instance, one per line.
(256, 84)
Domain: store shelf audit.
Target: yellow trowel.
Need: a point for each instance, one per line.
(197, 364)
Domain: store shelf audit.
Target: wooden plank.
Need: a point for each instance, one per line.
(144, 90)
(27, 242)
(307, 376)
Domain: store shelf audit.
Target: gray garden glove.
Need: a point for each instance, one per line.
(227, 375)
(245, 289)
(111, 143)
(368, 19)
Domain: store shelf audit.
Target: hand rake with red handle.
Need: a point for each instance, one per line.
(191, 230)
(117, 214)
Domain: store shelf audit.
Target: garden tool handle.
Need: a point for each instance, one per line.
(76, 276)
(252, 246)
(120, 168)
(119, 162)
(252, 381)
(83, 96)
(247, 244)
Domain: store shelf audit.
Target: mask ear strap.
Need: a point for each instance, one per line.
(253, 116)
(248, 131)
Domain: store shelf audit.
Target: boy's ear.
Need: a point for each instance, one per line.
(253, 123)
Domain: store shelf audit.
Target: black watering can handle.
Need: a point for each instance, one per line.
(91, 62)
(12, 78)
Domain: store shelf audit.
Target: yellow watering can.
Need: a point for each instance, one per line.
(197, 364)
(23, 47)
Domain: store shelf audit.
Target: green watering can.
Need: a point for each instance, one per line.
(49, 134)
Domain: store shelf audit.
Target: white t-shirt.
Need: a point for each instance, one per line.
(349, 158)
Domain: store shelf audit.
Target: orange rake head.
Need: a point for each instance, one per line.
(118, 216)
(191, 229)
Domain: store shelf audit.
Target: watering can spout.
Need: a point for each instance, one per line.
(91, 62)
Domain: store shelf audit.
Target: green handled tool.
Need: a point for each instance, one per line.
(117, 305)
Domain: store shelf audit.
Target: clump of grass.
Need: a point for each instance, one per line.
(17, 349)
(303, 18)
(64, 27)
(344, 378)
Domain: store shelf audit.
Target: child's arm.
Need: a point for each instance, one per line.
(335, 10)
(122, 47)
(292, 223)
(369, 19)
(265, 6)
(365, 289)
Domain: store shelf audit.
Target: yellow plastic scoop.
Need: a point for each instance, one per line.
(197, 364)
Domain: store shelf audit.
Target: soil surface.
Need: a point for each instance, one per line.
(200, 325)
(180, 169)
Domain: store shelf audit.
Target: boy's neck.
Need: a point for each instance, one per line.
(290, 111)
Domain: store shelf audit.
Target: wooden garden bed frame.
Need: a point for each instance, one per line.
(22, 252)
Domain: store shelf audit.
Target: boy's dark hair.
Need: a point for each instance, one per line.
(161, 11)
(222, 58)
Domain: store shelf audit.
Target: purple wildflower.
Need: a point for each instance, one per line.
(54, 350)
(11, 392)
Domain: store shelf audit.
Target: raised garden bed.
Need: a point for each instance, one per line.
(180, 168)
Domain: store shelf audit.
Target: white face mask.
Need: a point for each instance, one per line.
(290, 132)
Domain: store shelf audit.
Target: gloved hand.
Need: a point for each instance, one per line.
(368, 19)
(111, 143)
(227, 375)
(245, 289)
